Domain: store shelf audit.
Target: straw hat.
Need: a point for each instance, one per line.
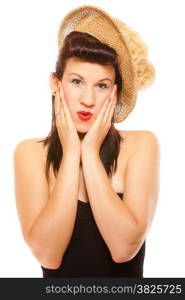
(136, 71)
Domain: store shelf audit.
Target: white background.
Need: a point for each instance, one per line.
(28, 52)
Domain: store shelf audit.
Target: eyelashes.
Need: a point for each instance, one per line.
(78, 82)
(103, 85)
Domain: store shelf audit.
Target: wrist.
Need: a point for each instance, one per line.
(90, 154)
(75, 155)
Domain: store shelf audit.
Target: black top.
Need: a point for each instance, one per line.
(87, 254)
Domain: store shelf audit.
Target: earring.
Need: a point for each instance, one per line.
(54, 92)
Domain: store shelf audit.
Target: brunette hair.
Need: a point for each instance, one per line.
(87, 48)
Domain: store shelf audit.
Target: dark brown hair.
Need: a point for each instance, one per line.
(87, 48)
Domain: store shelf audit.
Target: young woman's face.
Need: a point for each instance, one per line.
(86, 87)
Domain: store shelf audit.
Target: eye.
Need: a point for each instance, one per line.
(103, 85)
(76, 81)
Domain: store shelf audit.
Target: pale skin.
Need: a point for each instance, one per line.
(47, 211)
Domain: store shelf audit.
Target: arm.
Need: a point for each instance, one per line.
(124, 224)
(47, 221)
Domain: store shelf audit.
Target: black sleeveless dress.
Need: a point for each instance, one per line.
(87, 254)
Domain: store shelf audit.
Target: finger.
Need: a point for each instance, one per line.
(59, 115)
(109, 111)
(106, 105)
(65, 108)
(56, 105)
(62, 114)
(104, 108)
(111, 105)
(112, 110)
(114, 91)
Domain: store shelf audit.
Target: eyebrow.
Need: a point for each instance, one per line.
(83, 78)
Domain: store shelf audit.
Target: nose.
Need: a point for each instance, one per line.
(87, 97)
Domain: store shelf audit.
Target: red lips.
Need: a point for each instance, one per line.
(86, 113)
(83, 115)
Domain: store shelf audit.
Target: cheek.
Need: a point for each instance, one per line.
(71, 94)
(68, 97)
(102, 97)
(99, 106)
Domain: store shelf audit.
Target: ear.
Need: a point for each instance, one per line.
(53, 81)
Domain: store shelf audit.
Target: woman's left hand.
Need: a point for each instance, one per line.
(97, 132)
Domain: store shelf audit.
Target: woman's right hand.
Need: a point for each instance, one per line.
(66, 130)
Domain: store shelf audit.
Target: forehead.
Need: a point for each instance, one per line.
(88, 69)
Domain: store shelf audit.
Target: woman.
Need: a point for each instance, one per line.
(86, 194)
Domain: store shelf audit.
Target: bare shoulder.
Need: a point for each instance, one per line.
(33, 146)
(147, 140)
(135, 134)
(33, 143)
(133, 139)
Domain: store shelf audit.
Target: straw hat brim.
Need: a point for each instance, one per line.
(110, 31)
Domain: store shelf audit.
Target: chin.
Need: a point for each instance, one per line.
(81, 133)
(82, 129)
